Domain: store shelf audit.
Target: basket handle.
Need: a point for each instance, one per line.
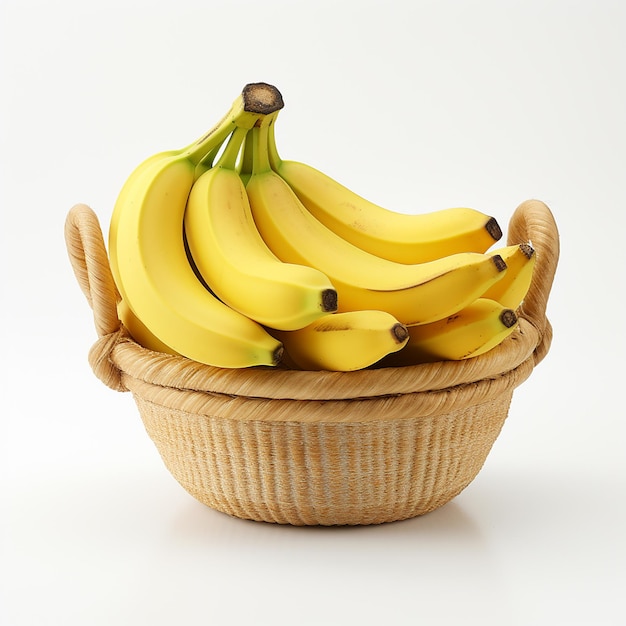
(90, 262)
(533, 221)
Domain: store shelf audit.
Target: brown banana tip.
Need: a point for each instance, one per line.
(261, 98)
(499, 262)
(508, 317)
(329, 301)
(493, 228)
(527, 249)
(400, 332)
(278, 355)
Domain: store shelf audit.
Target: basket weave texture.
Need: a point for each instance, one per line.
(319, 448)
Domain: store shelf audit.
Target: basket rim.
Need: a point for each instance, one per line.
(177, 372)
(383, 408)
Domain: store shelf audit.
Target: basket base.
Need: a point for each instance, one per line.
(325, 473)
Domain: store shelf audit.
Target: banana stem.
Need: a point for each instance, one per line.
(260, 145)
(245, 164)
(228, 158)
(256, 101)
(206, 162)
(212, 140)
(275, 160)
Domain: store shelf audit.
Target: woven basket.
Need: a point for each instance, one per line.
(319, 448)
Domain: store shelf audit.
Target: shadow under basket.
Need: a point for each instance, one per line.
(319, 448)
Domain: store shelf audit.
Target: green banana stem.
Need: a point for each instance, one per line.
(260, 146)
(228, 158)
(245, 165)
(256, 101)
(206, 163)
(275, 160)
(209, 144)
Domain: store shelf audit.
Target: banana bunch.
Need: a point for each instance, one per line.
(231, 256)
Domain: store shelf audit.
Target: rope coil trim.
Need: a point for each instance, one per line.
(356, 410)
(101, 360)
(282, 384)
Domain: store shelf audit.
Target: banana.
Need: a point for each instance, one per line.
(235, 262)
(511, 290)
(417, 293)
(404, 238)
(472, 331)
(343, 341)
(150, 264)
(138, 330)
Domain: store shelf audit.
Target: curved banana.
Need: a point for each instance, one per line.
(235, 262)
(343, 341)
(512, 289)
(472, 331)
(404, 238)
(417, 293)
(150, 265)
(139, 331)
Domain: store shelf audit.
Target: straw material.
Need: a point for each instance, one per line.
(319, 448)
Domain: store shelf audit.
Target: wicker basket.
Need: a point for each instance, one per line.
(319, 448)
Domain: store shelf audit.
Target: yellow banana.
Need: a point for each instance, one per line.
(343, 341)
(149, 260)
(235, 262)
(417, 293)
(404, 238)
(472, 331)
(138, 330)
(511, 290)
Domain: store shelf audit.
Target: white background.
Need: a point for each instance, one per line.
(417, 105)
